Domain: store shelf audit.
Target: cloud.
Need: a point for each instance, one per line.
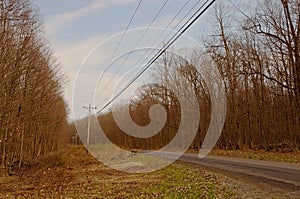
(71, 55)
(56, 22)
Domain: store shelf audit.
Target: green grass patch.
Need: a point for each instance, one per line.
(82, 176)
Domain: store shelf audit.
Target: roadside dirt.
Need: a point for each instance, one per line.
(76, 174)
(249, 187)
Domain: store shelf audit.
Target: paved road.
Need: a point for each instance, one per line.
(284, 175)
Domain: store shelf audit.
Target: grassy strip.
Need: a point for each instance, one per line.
(292, 157)
(78, 175)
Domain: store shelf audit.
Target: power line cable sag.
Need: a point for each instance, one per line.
(122, 38)
(172, 40)
(193, 7)
(137, 43)
(189, 23)
(127, 27)
(173, 30)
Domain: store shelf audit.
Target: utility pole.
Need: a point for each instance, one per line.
(89, 109)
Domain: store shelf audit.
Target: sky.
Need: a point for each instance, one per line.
(84, 34)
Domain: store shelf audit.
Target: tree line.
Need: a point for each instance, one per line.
(32, 110)
(258, 57)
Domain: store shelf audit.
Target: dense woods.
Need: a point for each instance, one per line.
(259, 62)
(258, 57)
(32, 110)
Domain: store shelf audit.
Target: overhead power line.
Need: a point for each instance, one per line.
(173, 30)
(137, 43)
(126, 29)
(122, 38)
(148, 56)
(182, 30)
(144, 57)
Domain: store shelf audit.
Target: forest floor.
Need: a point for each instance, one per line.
(72, 173)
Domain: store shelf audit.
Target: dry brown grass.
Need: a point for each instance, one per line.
(293, 157)
(79, 175)
(72, 173)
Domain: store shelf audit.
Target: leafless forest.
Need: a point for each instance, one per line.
(258, 57)
(33, 114)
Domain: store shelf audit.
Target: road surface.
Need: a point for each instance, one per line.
(283, 175)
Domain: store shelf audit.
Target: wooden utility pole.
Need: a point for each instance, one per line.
(89, 109)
